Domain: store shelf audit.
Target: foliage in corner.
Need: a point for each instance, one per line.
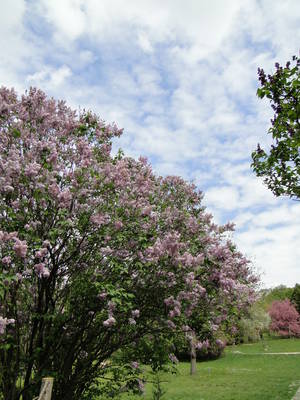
(280, 166)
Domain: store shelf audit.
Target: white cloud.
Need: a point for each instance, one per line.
(49, 78)
(86, 57)
(243, 218)
(14, 47)
(274, 251)
(202, 23)
(180, 77)
(67, 16)
(282, 215)
(222, 197)
(274, 22)
(10, 17)
(145, 43)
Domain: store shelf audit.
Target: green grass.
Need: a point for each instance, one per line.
(238, 376)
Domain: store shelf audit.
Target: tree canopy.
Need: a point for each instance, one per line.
(267, 296)
(280, 166)
(295, 297)
(98, 254)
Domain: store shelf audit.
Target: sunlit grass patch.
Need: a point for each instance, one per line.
(236, 376)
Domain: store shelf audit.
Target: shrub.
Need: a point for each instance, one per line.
(255, 325)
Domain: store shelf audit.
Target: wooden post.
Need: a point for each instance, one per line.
(46, 389)
(193, 356)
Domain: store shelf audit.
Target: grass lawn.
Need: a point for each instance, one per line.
(237, 376)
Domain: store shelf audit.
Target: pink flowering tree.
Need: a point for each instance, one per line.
(97, 253)
(229, 285)
(285, 319)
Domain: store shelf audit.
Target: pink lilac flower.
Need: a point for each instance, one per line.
(53, 189)
(135, 313)
(102, 295)
(6, 260)
(173, 358)
(65, 198)
(169, 301)
(141, 386)
(118, 225)
(98, 219)
(199, 345)
(41, 253)
(220, 343)
(42, 270)
(109, 322)
(146, 211)
(19, 276)
(46, 243)
(20, 248)
(4, 322)
(8, 189)
(111, 306)
(32, 169)
(177, 311)
(186, 328)
(46, 272)
(171, 324)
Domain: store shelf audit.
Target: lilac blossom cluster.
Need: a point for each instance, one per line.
(4, 322)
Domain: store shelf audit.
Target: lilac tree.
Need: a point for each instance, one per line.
(215, 318)
(97, 253)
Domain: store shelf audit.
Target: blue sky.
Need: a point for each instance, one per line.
(180, 76)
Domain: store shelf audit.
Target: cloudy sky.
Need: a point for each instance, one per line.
(180, 76)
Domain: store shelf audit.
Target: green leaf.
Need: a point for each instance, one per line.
(16, 133)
